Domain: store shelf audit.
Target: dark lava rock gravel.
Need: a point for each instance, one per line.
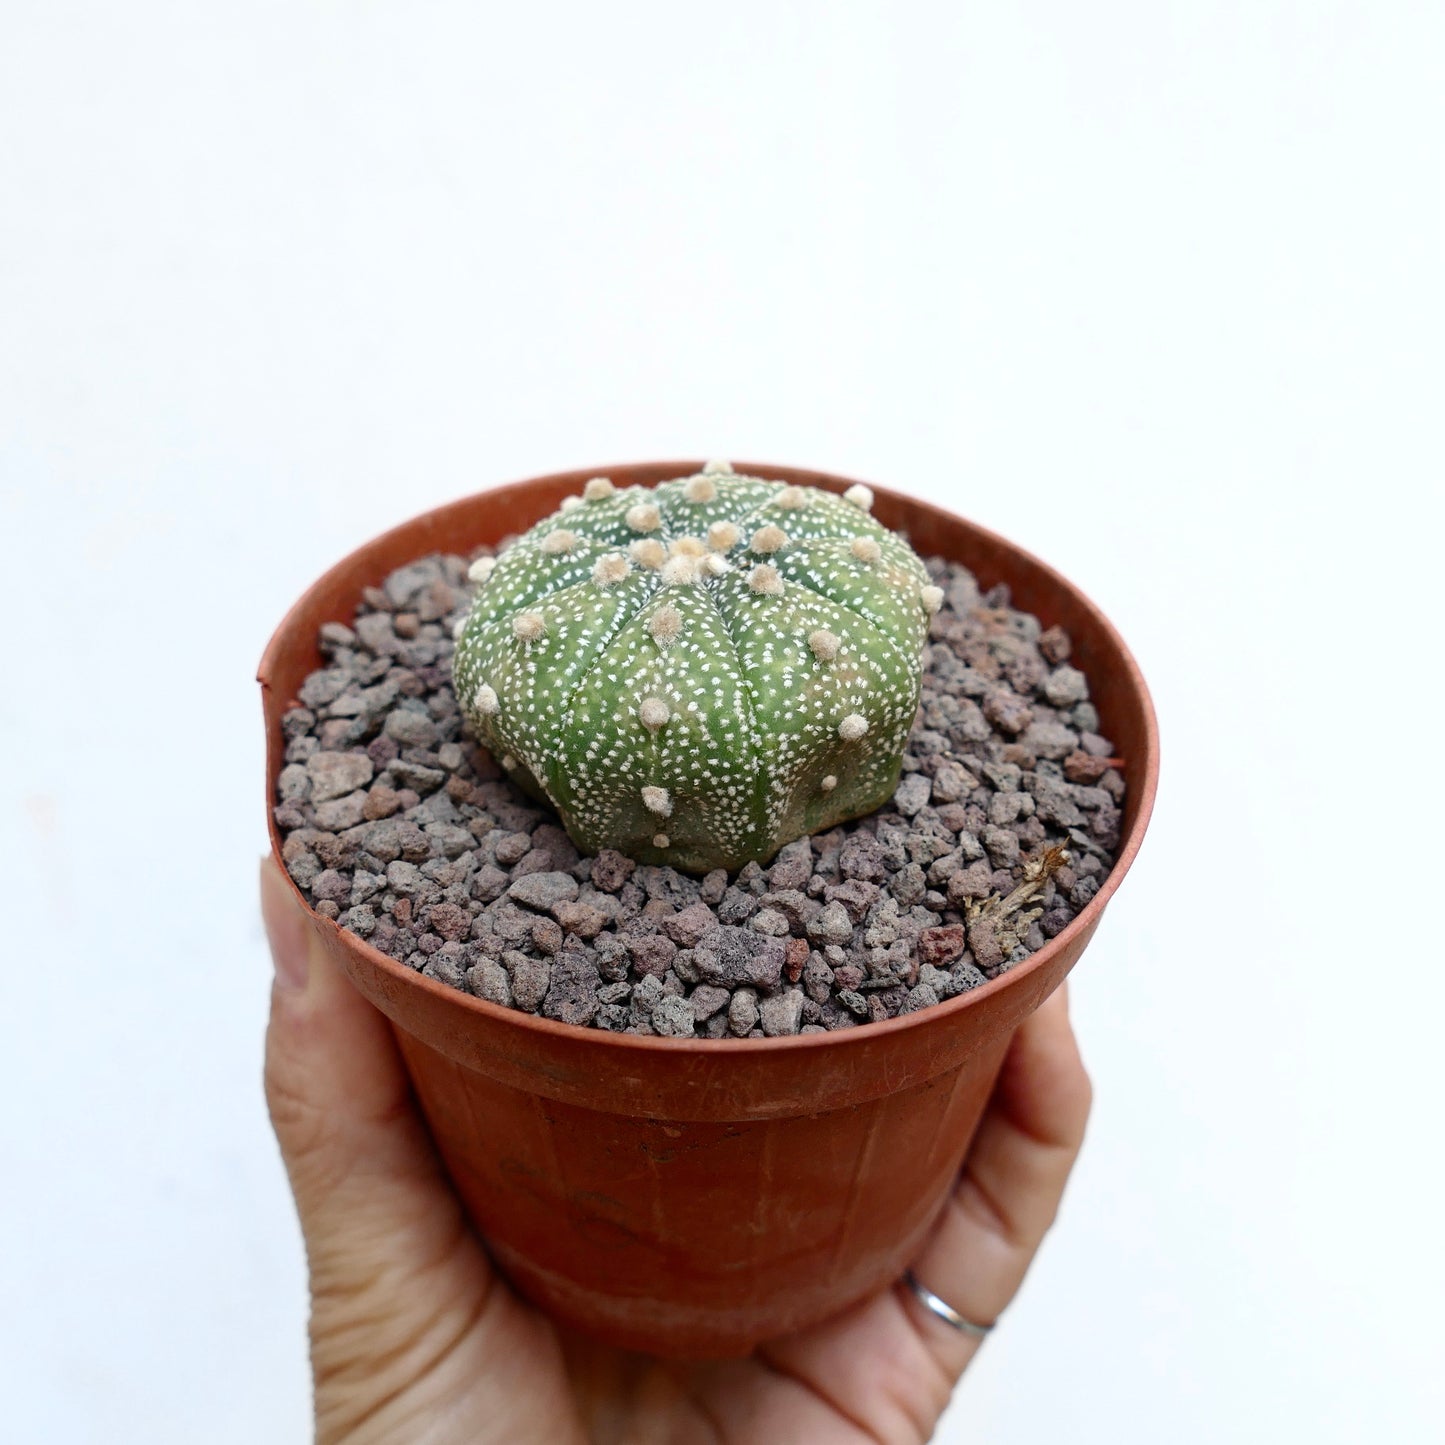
(397, 825)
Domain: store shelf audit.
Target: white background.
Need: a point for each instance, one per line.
(1154, 289)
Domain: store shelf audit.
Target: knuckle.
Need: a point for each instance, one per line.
(301, 1126)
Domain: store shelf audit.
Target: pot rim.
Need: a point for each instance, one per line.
(1142, 796)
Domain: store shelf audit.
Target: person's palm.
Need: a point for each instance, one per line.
(416, 1339)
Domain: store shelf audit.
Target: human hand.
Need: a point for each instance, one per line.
(415, 1340)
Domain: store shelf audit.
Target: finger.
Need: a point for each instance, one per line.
(888, 1363)
(338, 1093)
(1012, 1182)
(374, 1203)
(407, 1316)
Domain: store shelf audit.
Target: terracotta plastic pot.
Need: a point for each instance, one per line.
(694, 1197)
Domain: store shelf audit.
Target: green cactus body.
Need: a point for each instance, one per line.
(697, 673)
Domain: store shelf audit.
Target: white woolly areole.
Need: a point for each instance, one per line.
(597, 489)
(661, 840)
(481, 569)
(644, 517)
(865, 549)
(687, 547)
(828, 783)
(611, 569)
(570, 504)
(657, 800)
(931, 598)
(654, 713)
(649, 553)
(561, 540)
(680, 572)
(509, 762)
(769, 539)
(701, 489)
(764, 578)
(853, 727)
(484, 700)
(529, 626)
(718, 465)
(860, 496)
(723, 536)
(825, 644)
(790, 499)
(458, 627)
(665, 625)
(714, 565)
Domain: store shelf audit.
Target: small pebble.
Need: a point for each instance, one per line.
(832, 925)
(1008, 712)
(610, 870)
(687, 927)
(547, 936)
(652, 953)
(545, 890)
(1054, 645)
(913, 794)
(530, 981)
(939, 946)
(781, 1014)
(792, 867)
(572, 989)
(334, 774)
(411, 729)
(707, 1000)
(488, 980)
(921, 996)
(510, 848)
(451, 921)
(339, 814)
(743, 1012)
(769, 920)
(673, 1018)
(1065, 686)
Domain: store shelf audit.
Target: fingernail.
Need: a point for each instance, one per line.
(286, 929)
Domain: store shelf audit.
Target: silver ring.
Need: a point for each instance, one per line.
(942, 1309)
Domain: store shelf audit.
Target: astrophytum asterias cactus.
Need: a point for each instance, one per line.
(698, 673)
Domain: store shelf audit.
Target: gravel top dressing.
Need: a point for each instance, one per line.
(399, 827)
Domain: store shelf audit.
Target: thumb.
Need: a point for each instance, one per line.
(369, 1188)
(398, 1280)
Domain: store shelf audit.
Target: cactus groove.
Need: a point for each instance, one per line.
(735, 655)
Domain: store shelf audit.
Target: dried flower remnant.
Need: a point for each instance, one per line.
(997, 925)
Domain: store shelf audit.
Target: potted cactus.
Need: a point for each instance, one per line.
(697, 674)
(696, 668)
